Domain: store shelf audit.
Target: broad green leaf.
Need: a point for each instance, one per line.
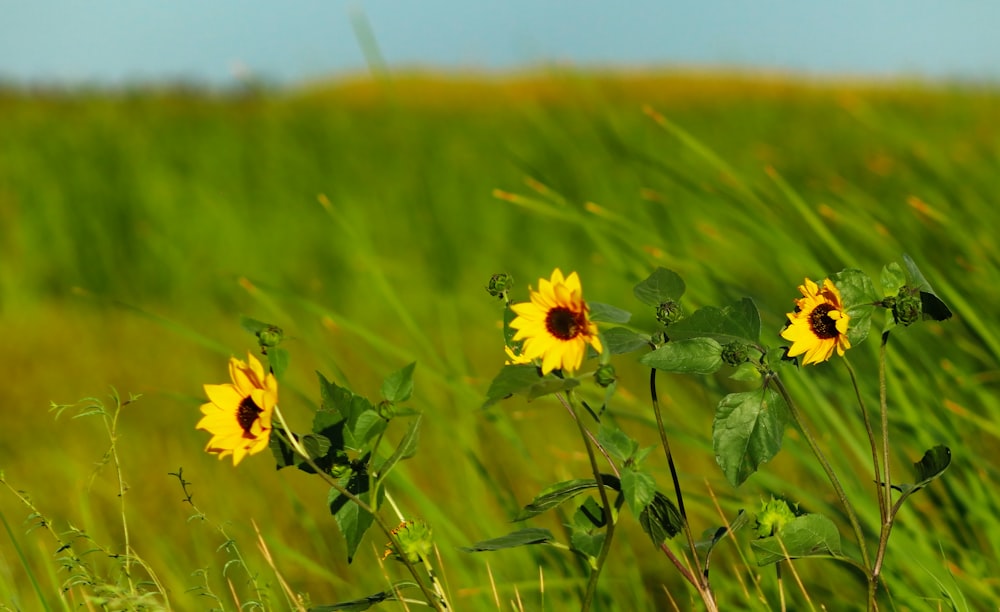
(364, 428)
(398, 386)
(892, 278)
(277, 361)
(406, 449)
(692, 356)
(932, 306)
(555, 494)
(934, 462)
(522, 537)
(857, 291)
(616, 442)
(606, 313)
(747, 432)
(365, 603)
(745, 372)
(548, 386)
(660, 519)
(619, 340)
(253, 326)
(316, 445)
(352, 521)
(810, 535)
(737, 322)
(511, 379)
(639, 488)
(334, 400)
(662, 285)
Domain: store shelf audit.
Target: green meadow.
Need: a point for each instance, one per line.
(365, 218)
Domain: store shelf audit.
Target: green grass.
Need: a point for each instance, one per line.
(127, 221)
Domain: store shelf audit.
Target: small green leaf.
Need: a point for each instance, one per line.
(809, 535)
(398, 386)
(616, 442)
(747, 432)
(555, 494)
(746, 372)
(523, 537)
(892, 278)
(548, 386)
(932, 306)
(660, 519)
(711, 537)
(738, 322)
(284, 454)
(352, 521)
(277, 361)
(639, 488)
(619, 340)
(587, 537)
(857, 292)
(365, 603)
(316, 445)
(406, 449)
(930, 467)
(253, 326)
(606, 313)
(693, 356)
(511, 379)
(662, 285)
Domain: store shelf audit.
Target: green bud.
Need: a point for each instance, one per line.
(415, 541)
(605, 375)
(270, 337)
(772, 517)
(659, 339)
(735, 353)
(499, 284)
(907, 307)
(669, 312)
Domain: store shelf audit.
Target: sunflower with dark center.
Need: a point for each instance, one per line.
(819, 324)
(238, 415)
(555, 325)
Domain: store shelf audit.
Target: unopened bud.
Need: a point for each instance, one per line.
(605, 375)
(499, 284)
(907, 307)
(735, 353)
(669, 312)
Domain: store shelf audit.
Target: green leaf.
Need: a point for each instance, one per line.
(745, 372)
(892, 278)
(620, 340)
(522, 537)
(253, 326)
(335, 401)
(932, 306)
(606, 313)
(352, 521)
(747, 432)
(359, 605)
(639, 488)
(660, 519)
(693, 356)
(809, 535)
(555, 494)
(277, 360)
(930, 467)
(398, 386)
(616, 442)
(284, 454)
(738, 322)
(857, 292)
(711, 537)
(508, 331)
(587, 537)
(406, 449)
(511, 379)
(361, 430)
(548, 386)
(662, 285)
(316, 445)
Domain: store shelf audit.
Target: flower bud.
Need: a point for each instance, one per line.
(499, 284)
(669, 312)
(772, 517)
(270, 337)
(907, 307)
(605, 375)
(415, 541)
(735, 353)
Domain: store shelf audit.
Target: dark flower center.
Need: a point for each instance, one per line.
(565, 324)
(247, 414)
(822, 324)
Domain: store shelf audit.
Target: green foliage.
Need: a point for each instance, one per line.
(692, 356)
(522, 537)
(660, 286)
(747, 431)
(525, 380)
(554, 495)
(620, 340)
(660, 519)
(738, 322)
(930, 467)
(809, 535)
(398, 386)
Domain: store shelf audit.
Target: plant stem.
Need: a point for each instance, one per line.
(609, 517)
(882, 508)
(851, 514)
(702, 582)
(887, 520)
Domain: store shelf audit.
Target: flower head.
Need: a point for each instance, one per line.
(819, 324)
(554, 324)
(238, 415)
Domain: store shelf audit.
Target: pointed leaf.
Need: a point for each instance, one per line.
(587, 537)
(934, 462)
(352, 521)
(810, 535)
(406, 449)
(253, 326)
(737, 322)
(616, 442)
(511, 379)
(932, 306)
(550, 385)
(639, 488)
(277, 361)
(711, 537)
(619, 340)
(857, 291)
(661, 520)
(892, 278)
(553, 495)
(365, 603)
(523, 537)
(693, 356)
(606, 313)
(662, 285)
(747, 432)
(398, 386)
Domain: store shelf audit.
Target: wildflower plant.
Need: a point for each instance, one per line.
(830, 317)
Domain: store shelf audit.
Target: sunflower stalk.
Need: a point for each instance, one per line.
(886, 492)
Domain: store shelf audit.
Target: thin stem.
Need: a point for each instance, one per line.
(887, 520)
(605, 503)
(702, 583)
(286, 434)
(814, 446)
(882, 508)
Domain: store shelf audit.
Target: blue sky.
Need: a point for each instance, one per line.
(114, 42)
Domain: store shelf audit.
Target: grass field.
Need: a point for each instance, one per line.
(137, 226)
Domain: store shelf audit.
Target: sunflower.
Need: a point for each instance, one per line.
(238, 415)
(554, 324)
(819, 323)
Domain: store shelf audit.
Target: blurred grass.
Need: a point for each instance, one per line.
(135, 227)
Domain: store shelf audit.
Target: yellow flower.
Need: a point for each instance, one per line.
(238, 415)
(554, 324)
(819, 323)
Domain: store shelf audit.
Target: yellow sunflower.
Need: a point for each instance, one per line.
(238, 415)
(554, 324)
(819, 323)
